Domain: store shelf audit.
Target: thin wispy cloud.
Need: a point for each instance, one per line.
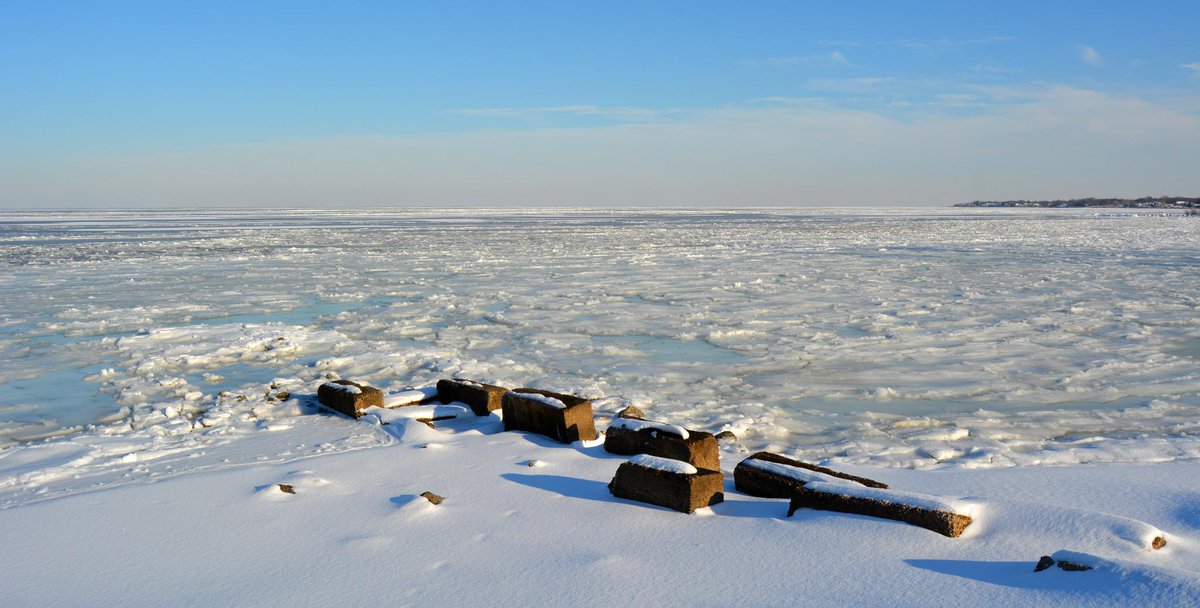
(830, 59)
(1193, 67)
(922, 43)
(850, 85)
(792, 154)
(948, 42)
(1089, 55)
(993, 69)
(584, 110)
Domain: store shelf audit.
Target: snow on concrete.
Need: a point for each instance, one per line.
(799, 474)
(633, 424)
(345, 388)
(664, 464)
(543, 399)
(899, 497)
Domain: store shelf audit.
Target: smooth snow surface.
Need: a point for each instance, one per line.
(509, 534)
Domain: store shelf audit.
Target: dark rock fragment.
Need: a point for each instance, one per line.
(1072, 566)
(632, 412)
(433, 498)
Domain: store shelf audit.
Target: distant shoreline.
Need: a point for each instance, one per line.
(1147, 202)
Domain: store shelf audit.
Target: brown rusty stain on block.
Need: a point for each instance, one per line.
(683, 492)
(699, 449)
(566, 418)
(349, 398)
(483, 398)
(758, 482)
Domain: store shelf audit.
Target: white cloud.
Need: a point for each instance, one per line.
(850, 85)
(832, 58)
(1089, 55)
(1194, 67)
(1051, 142)
(568, 110)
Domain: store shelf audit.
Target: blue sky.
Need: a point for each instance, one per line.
(616, 104)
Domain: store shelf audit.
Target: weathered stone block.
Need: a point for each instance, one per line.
(684, 489)
(772, 475)
(483, 398)
(628, 437)
(930, 512)
(566, 418)
(349, 398)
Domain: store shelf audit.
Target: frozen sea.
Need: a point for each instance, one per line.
(903, 338)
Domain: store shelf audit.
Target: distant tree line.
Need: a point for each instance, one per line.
(1146, 202)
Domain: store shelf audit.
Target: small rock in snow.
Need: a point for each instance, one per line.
(286, 488)
(1072, 566)
(433, 498)
(1044, 563)
(632, 412)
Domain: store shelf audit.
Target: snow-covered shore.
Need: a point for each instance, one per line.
(160, 374)
(356, 532)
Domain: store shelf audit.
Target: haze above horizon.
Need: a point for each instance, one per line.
(618, 104)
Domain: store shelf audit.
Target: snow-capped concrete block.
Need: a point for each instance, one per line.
(348, 397)
(945, 516)
(566, 418)
(773, 475)
(669, 483)
(628, 436)
(483, 398)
